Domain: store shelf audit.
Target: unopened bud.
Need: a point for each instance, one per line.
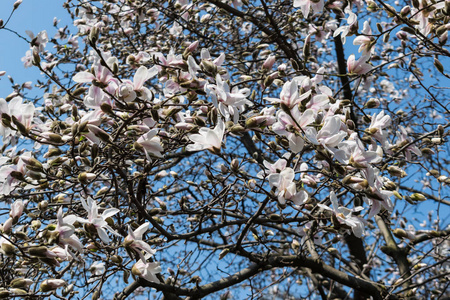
(400, 233)
(17, 4)
(8, 248)
(223, 253)
(85, 177)
(418, 197)
(396, 171)
(51, 284)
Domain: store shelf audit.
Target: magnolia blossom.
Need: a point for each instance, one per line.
(207, 138)
(353, 152)
(98, 221)
(344, 30)
(135, 242)
(97, 269)
(403, 140)
(377, 128)
(289, 95)
(229, 101)
(360, 66)
(329, 136)
(305, 5)
(147, 270)
(365, 40)
(151, 144)
(66, 230)
(344, 215)
(101, 79)
(286, 187)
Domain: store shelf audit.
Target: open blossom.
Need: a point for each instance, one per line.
(135, 242)
(305, 5)
(98, 221)
(286, 187)
(365, 40)
(360, 66)
(151, 144)
(66, 231)
(329, 136)
(403, 140)
(344, 215)
(147, 270)
(207, 138)
(289, 95)
(344, 30)
(229, 101)
(97, 269)
(377, 128)
(274, 168)
(352, 152)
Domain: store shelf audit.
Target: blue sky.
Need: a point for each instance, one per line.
(34, 15)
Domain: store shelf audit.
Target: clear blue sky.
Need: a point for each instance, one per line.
(34, 15)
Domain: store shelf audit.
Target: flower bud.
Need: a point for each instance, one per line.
(36, 224)
(38, 251)
(17, 4)
(418, 197)
(268, 63)
(21, 283)
(86, 177)
(51, 284)
(8, 249)
(396, 171)
(400, 233)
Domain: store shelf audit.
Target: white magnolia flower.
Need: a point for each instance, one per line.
(98, 221)
(207, 138)
(147, 270)
(344, 215)
(135, 242)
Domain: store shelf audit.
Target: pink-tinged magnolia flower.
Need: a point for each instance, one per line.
(305, 5)
(140, 77)
(344, 215)
(403, 140)
(274, 168)
(376, 196)
(343, 30)
(147, 270)
(229, 101)
(12, 175)
(329, 136)
(360, 66)
(268, 63)
(97, 269)
(135, 242)
(151, 144)
(286, 187)
(207, 138)
(376, 129)
(66, 231)
(295, 121)
(39, 41)
(365, 40)
(23, 112)
(16, 209)
(98, 221)
(289, 95)
(352, 152)
(102, 79)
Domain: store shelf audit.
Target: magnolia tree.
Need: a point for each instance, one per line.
(230, 149)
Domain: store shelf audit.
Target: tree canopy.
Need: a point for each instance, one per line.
(270, 149)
